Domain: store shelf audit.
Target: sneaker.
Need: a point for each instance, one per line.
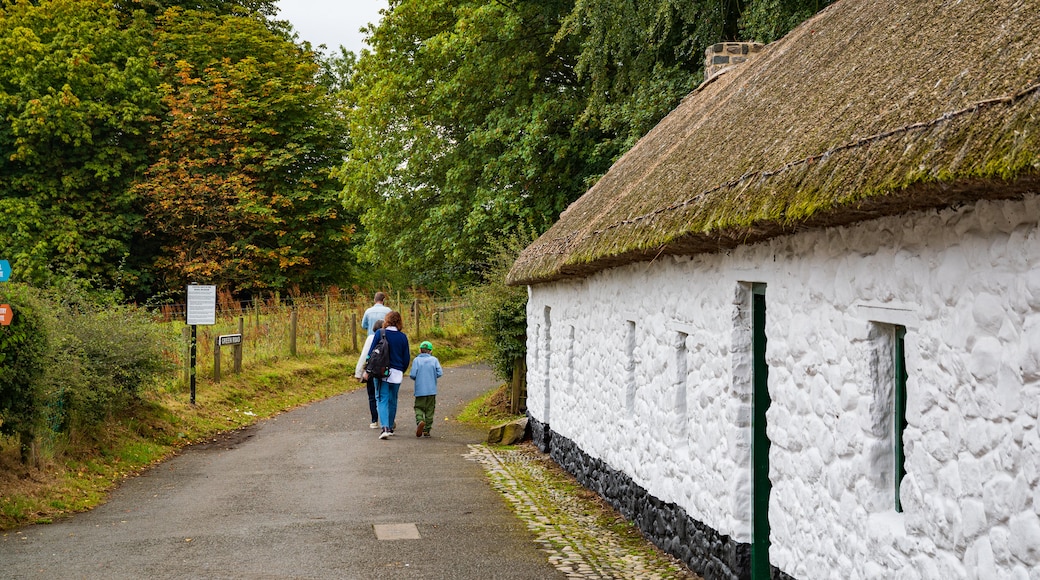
(419, 428)
(385, 434)
(426, 434)
(392, 432)
(373, 425)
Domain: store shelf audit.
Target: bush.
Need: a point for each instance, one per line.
(501, 310)
(102, 357)
(23, 348)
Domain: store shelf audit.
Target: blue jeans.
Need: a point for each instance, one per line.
(386, 400)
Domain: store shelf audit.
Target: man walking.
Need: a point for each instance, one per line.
(375, 312)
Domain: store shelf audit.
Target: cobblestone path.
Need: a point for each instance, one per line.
(583, 536)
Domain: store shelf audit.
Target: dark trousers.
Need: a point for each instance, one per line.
(371, 387)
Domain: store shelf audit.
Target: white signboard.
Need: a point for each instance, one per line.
(202, 304)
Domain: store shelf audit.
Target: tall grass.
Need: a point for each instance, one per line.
(324, 324)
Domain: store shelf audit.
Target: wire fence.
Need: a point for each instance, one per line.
(275, 328)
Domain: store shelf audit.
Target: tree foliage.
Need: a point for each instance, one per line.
(77, 101)
(241, 192)
(462, 128)
(474, 119)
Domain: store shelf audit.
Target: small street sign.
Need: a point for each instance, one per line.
(6, 314)
(226, 339)
(5, 270)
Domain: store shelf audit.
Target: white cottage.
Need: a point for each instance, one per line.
(795, 331)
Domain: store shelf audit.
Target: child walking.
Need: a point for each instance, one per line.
(426, 369)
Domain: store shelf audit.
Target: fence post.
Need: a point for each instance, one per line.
(186, 333)
(216, 359)
(328, 322)
(518, 386)
(292, 332)
(353, 330)
(415, 316)
(238, 347)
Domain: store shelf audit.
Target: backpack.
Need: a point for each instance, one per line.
(378, 366)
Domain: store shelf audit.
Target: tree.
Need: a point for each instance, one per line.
(640, 58)
(78, 97)
(463, 130)
(241, 193)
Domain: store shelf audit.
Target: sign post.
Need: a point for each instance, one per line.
(222, 340)
(201, 309)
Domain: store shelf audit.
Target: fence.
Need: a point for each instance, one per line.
(273, 329)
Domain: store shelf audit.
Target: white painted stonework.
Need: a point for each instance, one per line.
(647, 368)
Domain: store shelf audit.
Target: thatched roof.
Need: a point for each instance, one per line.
(871, 108)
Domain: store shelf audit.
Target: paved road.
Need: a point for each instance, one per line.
(301, 495)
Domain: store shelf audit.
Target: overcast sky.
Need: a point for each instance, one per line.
(331, 22)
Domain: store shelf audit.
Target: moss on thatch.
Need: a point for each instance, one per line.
(871, 108)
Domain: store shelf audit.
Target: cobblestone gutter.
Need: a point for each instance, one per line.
(583, 537)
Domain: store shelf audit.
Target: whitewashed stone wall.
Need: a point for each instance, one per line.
(645, 368)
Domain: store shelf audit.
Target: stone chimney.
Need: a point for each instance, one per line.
(723, 55)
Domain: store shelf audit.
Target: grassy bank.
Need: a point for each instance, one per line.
(77, 470)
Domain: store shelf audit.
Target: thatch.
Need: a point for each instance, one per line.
(871, 108)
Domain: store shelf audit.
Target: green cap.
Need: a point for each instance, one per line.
(426, 345)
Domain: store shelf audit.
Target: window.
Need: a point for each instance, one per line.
(630, 366)
(681, 374)
(899, 377)
(888, 412)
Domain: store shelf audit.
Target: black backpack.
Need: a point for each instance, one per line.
(379, 358)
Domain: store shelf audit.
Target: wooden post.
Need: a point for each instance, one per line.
(292, 332)
(186, 333)
(328, 322)
(515, 385)
(216, 359)
(238, 347)
(353, 330)
(415, 316)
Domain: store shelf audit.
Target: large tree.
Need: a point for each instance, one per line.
(241, 193)
(463, 129)
(78, 99)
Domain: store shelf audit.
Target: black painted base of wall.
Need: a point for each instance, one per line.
(707, 552)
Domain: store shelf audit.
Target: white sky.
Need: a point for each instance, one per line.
(331, 22)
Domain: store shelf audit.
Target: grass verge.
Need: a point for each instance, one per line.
(490, 409)
(77, 471)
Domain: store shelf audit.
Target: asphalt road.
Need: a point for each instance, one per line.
(312, 493)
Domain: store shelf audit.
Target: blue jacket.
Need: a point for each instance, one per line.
(425, 371)
(399, 353)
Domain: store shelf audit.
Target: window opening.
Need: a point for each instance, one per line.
(630, 366)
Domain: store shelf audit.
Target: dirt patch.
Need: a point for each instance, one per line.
(225, 440)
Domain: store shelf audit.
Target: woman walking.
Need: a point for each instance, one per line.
(387, 388)
(359, 374)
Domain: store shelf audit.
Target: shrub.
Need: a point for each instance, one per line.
(23, 348)
(102, 357)
(501, 311)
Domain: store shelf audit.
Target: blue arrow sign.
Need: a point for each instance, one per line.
(5, 270)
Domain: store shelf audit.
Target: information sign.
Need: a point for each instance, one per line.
(6, 314)
(5, 270)
(202, 304)
(226, 339)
